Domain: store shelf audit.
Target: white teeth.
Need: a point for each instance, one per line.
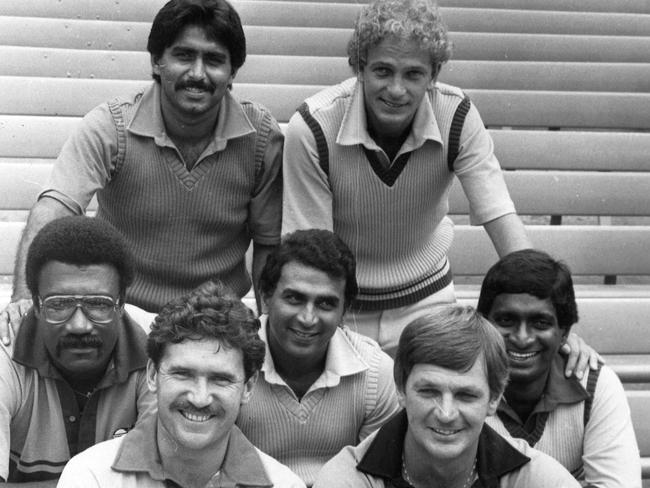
(445, 431)
(521, 356)
(302, 334)
(194, 417)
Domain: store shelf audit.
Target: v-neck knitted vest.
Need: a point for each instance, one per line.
(396, 227)
(191, 226)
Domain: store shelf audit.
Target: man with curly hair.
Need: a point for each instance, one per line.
(76, 373)
(373, 159)
(204, 359)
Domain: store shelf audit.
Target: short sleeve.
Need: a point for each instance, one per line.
(10, 400)
(265, 210)
(307, 197)
(85, 162)
(479, 172)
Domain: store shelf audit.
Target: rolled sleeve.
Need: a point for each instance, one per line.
(480, 174)
(86, 161)
(307, 197)
(265, 210)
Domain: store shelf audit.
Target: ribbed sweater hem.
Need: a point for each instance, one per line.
(371, 300)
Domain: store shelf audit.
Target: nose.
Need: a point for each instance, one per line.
(396, 87)
(200, 395)
(446, 408)
(521, 336)
(78, 323)
(197, 70)
(307, 315)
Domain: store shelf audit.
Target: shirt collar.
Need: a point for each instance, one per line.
(342, 360)
(129, 353)
(354, 128)
(558, 390)
(139, 453)
(496, 456)
(147, 121)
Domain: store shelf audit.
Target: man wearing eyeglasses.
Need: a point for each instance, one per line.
(75, 374)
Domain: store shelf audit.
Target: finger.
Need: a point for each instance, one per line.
(583, 363)
(571, 362)
(4, 328)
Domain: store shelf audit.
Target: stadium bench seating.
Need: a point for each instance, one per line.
(562, 85)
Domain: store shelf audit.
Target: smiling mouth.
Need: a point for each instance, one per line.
(193, 417)
(445, 432)
(393, 104)
(304, 335)
(522, 356)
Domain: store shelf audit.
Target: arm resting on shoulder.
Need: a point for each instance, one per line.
(44, 210)
(507, 234)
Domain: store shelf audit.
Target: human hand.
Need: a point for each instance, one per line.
(580, 356)
(11, 317)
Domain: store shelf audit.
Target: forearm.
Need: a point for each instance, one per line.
(507, 234)
(260, 253)
(44, 210)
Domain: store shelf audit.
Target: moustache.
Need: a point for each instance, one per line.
(212, 410)
(78, 342)
(201, 85)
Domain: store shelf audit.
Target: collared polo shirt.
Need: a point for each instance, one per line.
(559, 390)
(354, 127)
(354, 396)
(134, 461)
(184, 226)
(41, 426)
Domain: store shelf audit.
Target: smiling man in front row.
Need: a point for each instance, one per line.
(204, 358)
(76, 375)
(451, 369)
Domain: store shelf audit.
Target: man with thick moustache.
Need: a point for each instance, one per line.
(186, 172)
(204, 359)
(75, 374)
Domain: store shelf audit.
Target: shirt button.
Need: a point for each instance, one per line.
(72, 418)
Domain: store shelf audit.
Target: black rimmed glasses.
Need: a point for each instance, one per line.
(57, 309)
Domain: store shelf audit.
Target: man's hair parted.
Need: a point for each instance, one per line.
(211, 311)
(402, 20)
(317, 248)
(453, 337)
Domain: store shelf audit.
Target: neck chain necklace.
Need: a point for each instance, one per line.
(407, 478)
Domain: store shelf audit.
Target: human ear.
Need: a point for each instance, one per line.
(249, 385)
(152, 376)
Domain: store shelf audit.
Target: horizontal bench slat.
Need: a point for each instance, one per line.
(42, 137)
(109, 9)
(621, 6)
(570, 193)
(588, 250)
(314, 70)
(316, 41)
(479, 18)
(75, 97)
(534, 192)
